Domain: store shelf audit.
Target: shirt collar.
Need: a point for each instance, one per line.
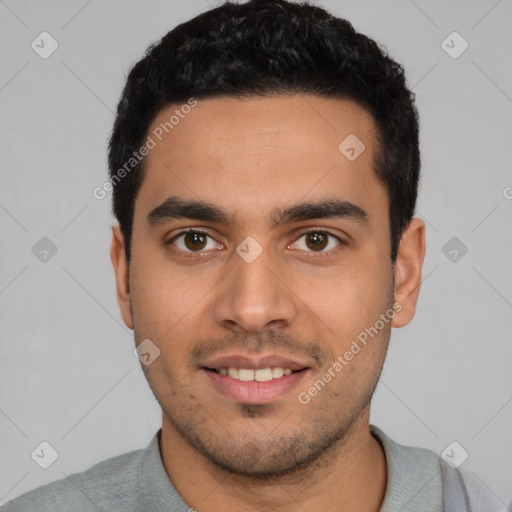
(414, 477)
(157, 490)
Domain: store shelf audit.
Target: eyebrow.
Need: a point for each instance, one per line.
(177, 208)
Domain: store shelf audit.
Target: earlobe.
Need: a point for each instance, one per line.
(118, 257)
(408, 266)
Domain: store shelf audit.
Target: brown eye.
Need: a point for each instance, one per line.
(317, 242)
(193, 241)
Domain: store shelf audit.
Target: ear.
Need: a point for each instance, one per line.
(408, 265)
(118, 257)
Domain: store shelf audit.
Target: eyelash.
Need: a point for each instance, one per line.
(192, 254)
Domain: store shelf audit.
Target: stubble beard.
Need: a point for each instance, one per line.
(284, 453)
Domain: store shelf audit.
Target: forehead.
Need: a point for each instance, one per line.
(255, 152)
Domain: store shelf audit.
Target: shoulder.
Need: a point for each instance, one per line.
(417, 473)
(481, 498)
(110, 482)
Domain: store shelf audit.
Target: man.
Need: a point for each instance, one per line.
(264, 164)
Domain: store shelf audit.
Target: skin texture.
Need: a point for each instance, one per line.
(295, 299)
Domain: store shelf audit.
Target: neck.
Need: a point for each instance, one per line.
(352, 476)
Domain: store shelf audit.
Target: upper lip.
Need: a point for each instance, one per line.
(253, 362)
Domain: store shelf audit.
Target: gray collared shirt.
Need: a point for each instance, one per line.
(137, 482)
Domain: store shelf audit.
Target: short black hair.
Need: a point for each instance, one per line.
(263, 48)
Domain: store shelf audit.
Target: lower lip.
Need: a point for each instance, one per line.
(254, 392)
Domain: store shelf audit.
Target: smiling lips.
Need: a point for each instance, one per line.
(254, 380)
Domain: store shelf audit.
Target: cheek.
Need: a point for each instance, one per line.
(350, 299)
(167, 301)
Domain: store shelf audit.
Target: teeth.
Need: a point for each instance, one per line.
(245, 374)
(277, 373)
(260, 375)
(263, 374)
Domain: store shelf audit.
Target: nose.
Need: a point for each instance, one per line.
(255, 296)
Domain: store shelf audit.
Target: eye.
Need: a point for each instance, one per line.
(317, 241)
(193, 240)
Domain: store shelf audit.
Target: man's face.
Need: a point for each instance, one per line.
(258, 292)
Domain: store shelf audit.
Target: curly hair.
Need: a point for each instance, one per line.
(262, 48)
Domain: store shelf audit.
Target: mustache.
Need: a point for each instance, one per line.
(256, 344)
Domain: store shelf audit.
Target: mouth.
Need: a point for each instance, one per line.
(254, 381)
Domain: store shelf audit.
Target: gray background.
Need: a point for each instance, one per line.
(68, 375)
